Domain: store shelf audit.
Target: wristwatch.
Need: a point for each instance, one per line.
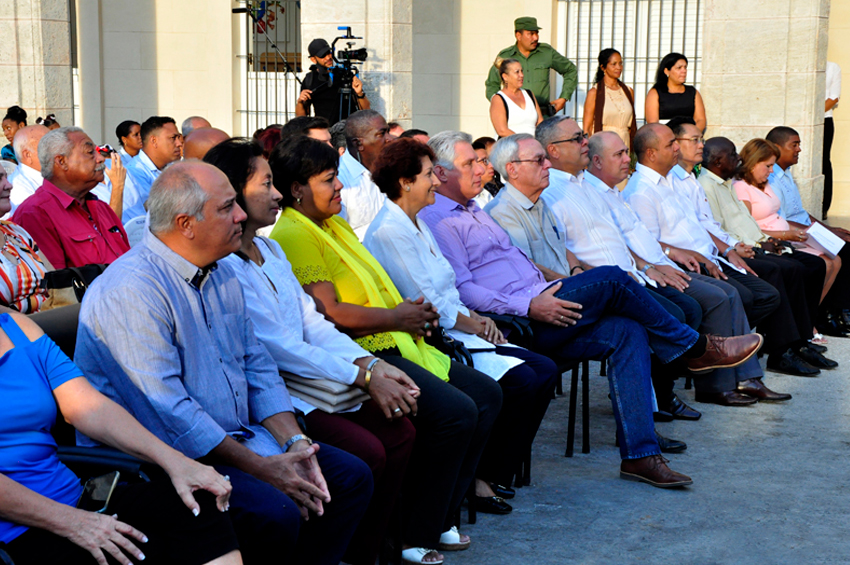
(667, 251)
(647, 267)
(295, 438)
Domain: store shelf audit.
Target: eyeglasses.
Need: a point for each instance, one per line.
(483, 160)
(577, 139)
(691, 139)
(539, 160)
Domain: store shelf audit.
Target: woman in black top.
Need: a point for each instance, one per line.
(670, 97)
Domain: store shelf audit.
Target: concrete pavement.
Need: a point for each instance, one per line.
(771, 485)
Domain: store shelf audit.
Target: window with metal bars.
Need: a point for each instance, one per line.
(643, 31)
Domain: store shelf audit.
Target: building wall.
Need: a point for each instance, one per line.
(839, 52)
(139, 58)
(454, 44)
(35, 58)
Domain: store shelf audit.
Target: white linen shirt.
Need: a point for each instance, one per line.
(637, 235)
(137, 186)
(685, 183)
(414, 262)
(361, 198)
(300, 339)
(25, 181)
(667, 218)
(833, 84)
(590, 231)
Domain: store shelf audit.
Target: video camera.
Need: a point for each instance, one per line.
(346, 70)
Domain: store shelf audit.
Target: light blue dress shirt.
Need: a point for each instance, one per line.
(141, 173)
(790, 204)
(173, 344)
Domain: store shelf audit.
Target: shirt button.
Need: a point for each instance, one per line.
(237, 393)
(219, 360)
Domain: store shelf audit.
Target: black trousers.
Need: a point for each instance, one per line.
(760, 298)
(792, 321)
(828, 136)
(838, 297)
(452, 427)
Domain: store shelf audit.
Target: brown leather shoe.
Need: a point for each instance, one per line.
(725, 352)
(757, 389)
(728, 398)
(654, 471)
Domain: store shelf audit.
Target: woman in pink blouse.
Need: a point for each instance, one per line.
(757, 159)
(22, 266)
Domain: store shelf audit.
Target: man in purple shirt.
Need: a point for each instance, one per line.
(600, 314)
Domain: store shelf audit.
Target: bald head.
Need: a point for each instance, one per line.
(26, 145)
(720, 157)
(609, 158)
(199, 141)
(656, 147)
(647, 138)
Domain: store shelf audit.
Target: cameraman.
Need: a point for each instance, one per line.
(320, 87)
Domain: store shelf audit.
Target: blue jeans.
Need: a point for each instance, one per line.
(268, 523)
(620, 321)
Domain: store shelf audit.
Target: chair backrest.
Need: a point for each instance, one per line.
(60, 325)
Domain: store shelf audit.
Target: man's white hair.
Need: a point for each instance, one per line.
(444, 147)
(506, 150)
(176, 191)
(55, 142)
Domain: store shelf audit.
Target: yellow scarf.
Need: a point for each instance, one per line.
(417, 350)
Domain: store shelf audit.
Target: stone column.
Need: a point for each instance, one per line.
(387, 30)
(35, 58)
(764, 64)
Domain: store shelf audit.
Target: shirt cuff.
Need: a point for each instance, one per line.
(266, 403)
(200, 439)
(518, 306)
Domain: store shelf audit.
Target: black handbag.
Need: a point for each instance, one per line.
(67, 286)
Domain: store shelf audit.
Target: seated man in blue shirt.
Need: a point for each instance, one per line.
(161, 144)
(165, 334)
(835, 307)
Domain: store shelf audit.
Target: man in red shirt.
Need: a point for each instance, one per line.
(70, 225)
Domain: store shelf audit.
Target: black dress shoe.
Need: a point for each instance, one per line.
(789, 363)
(662, 416)
(505, 492)
(757, 389)
(817, 347)
(728, 398)
(681, 411)
(491, 504)
(668, 445)
(815, 359)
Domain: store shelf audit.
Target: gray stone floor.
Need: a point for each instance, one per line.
(770, 486)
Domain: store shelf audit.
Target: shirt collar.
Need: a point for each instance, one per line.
(649, 174)
(187, 271)
(399, 217)
(564, 176)
(778, 171)
(354, 167)
(146, 162)
(31, 173)
(65, 199)
(714, 178)
(517, 196)
(680, 172)
(447, 204)
(597, 184)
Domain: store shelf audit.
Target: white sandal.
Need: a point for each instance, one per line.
(450, 541)
(415, 555)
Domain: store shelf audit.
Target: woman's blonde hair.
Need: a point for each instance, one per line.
(754, 152)
(502, 65)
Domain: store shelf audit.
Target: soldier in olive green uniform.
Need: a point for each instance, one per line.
(536, 59)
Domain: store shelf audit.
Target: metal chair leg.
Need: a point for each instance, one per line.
(571, 424)
(585, 412)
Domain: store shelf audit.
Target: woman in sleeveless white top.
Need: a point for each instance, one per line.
(513, 109)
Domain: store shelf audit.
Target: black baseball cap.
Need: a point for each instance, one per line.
(318, 48)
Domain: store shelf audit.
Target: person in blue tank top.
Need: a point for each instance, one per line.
(39, 523)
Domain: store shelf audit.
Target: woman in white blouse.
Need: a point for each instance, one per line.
(408, 252)
(304, 343)
(513, 109)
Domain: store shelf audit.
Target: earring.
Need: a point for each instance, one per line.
(407, 188)
(298, 200)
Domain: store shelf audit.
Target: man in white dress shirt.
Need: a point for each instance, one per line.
(27, 177)
(575, 196)
(161, 144)
(366, 132)
(658, 199)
